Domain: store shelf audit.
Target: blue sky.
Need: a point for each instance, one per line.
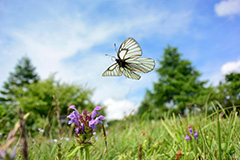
(71, 38)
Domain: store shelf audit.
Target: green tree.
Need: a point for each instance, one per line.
(229, 90)
(48, 102)
(50, 93)
(24, 74)
(178, 85)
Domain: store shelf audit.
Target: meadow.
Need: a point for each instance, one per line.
(142, 138)
(120, 80)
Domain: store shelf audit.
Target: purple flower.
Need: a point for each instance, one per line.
(196, 135)
(74, 116)
(85, 112)
(81, 130)
(4, 153)
(187, 138)
(85, 123)
(41, 130)
(94, 112)
(67, 139)
(93, 122)
(190, 130)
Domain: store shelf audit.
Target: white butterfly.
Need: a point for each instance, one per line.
(128, 61)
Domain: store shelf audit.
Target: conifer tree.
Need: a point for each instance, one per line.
(178, 85)
(229, 90)
(24, 74)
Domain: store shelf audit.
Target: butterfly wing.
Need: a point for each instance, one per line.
(130, 74)
(129, 49)
(127, 53)
(113, 70)
(142, 65)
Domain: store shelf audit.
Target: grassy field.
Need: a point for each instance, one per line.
(133, 138)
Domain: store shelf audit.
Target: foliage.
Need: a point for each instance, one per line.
(178, 85)
(50, 98)
(8, 118)
(229, 90)
(42, 96)
(24, 74)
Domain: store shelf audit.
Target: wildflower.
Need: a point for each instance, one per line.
(74, 116)
(8, 153)
(96, 138)
(190, 130)
(81, 129)
(41, 130)
(2, 154)
(66, 138)
(143, 132)
(196, 135)
(0, 134)
(95, 112)
(85, 122)
(55, 140)
(178, 155)
(93, 122)
(187, 138)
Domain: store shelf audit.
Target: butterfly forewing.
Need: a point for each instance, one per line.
(113, 70)
(129, 49)
(142, 65)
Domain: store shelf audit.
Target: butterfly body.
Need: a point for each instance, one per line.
(121, 63)
(129, 62)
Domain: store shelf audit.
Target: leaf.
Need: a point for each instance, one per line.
(74, 151)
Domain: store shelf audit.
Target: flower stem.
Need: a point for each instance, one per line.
(80, 156)
(87, 155)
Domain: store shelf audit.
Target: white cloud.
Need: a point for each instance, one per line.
(230, 67)
(50, 42)
(119, 109)
(227, 8)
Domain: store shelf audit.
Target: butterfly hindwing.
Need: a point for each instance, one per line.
(113, 70)
(142, 65)
(130, 74)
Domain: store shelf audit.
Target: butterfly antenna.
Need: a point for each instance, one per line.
(112, 57)
(115, 47)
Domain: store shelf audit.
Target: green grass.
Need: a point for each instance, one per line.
(158, 139)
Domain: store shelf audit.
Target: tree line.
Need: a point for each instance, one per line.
(178, 89)
(43, 99)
